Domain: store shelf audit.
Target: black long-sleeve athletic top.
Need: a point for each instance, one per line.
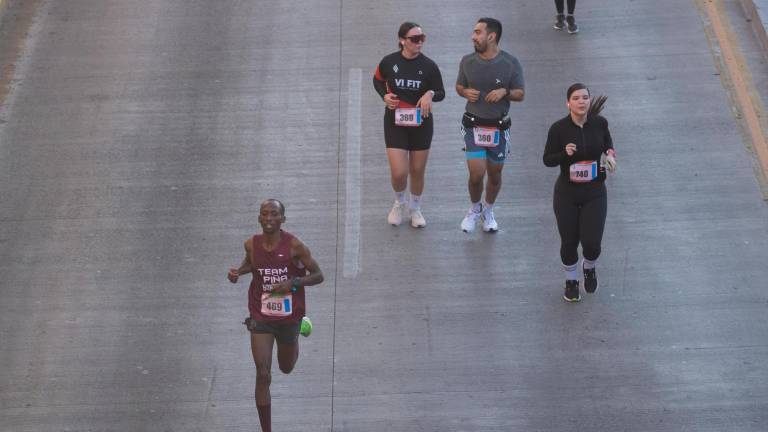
(591, 141)
(409, 79)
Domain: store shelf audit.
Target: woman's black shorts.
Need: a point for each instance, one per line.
(405, 137)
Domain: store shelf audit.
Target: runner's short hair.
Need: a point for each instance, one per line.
(276, 201)
(492, 25)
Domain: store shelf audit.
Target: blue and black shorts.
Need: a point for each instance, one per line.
(496, 154)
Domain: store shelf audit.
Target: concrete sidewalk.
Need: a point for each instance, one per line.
(757, 12)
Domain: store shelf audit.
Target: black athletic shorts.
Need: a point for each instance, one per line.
(287, 333)
(407, 137)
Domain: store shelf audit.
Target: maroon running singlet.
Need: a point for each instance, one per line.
(272, 267)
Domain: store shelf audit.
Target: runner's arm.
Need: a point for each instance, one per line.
(462, 85)
(554, 152)
(516, 94)
(245, 266)
(469, 94)
(380, 83)
(437, 84)
(607, 137)
(460, 90)
(301, 252)
(516, 90)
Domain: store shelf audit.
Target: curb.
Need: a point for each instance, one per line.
(758, 18)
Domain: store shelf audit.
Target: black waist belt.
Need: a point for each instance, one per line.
(470, 120)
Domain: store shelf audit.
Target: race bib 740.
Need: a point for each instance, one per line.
(584, 171)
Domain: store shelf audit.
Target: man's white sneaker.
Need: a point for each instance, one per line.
(395, 216)
(489, 222)
(417, 219)
(468, 224)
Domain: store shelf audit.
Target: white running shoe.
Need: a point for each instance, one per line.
(468, 224)
(417, 219)
(489, 222)
(395, 216)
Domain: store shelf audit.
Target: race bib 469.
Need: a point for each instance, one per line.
(276, 306)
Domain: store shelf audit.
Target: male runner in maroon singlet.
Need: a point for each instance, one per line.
(281, 266)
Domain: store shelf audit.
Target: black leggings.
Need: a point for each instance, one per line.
(580, 212)
(571, 6)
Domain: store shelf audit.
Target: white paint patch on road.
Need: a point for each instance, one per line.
(352, 176)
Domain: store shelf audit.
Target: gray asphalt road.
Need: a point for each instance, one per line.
(139, 136)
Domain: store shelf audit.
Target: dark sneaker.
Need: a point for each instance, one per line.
(571, 24)
(559, 22)
(572, 291)
(590, 280)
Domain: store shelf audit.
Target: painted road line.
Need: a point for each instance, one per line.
(352, 176)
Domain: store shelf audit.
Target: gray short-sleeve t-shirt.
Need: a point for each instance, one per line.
(502, 71)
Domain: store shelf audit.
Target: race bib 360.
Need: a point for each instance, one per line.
(486, 137)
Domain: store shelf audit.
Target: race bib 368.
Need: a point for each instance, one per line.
(408, 117)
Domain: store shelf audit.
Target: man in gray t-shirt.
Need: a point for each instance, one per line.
(489, 79)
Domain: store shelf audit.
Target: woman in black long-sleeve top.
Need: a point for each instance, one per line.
(580, 144)
(408, 82)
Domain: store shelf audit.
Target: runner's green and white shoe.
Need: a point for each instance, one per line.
(306, 327)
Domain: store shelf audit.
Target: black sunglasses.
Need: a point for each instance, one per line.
(417, 38)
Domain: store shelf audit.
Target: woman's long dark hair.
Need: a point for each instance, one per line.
(404, 29)
(598, 102)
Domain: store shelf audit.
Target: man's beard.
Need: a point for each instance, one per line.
(480, 48)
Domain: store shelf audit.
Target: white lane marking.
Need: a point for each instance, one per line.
(352, 176)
